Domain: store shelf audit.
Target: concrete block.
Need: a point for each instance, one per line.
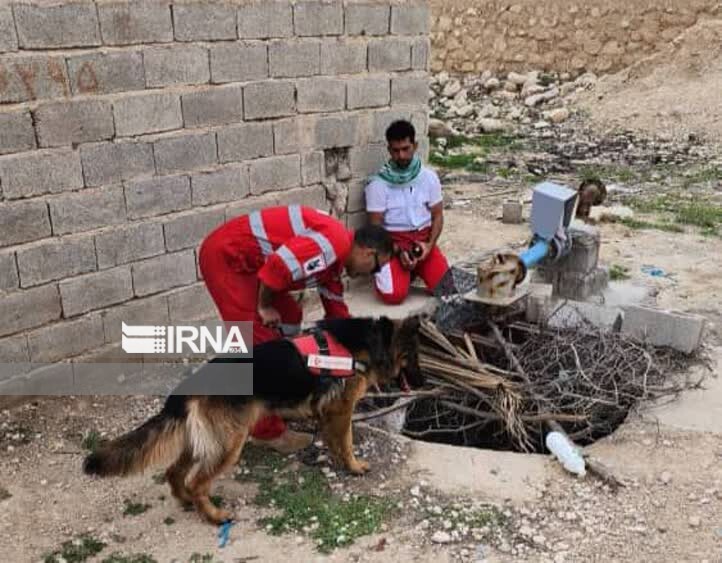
(263, 100)
(314, 18)
(16, 132)
(8, 36)
(575, 285)
(381, 119)
(112, 163)
(337, 131)
(310, 196)
(239, 62)
(511, 212)
(219, 106)
(56, 259)
(343, 56)
(312, 168)
(368, 159)
(135, 22)
(410, 90)
(538, 302)
(134, 242)
(57, 25)
(245, 142)
(583, 256)
(389, 54)
(290, 59)
(106, 73)
(251, 204)
(147, 113)
(276, 173)
(24, 310)
(575, 314)
(26, 78)
(355, 220)
(86, 210)
(229, 184)
(676, 330)
(191, 304)
(51, 380)
(368, 18)
(177, 64)
(356, 200)
(265, 20)
(164, 272)
(23, 221)
(421, 53)
(13, 353)
(320, 95)
(9, 279)
(185, 152)
(410, 19)
(66, 339)
(369, 92)
(69, 123)
(94, 291)
(189, 229)
(149, 311)
(287, 135)
(157, 196)
(204, 21)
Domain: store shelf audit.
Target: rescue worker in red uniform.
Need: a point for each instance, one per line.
(250, 263)
(405, 198)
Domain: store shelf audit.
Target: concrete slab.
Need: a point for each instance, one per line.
(677, 330)
(488, 474)
(697, 410)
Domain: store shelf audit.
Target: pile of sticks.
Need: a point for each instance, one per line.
(508, 386)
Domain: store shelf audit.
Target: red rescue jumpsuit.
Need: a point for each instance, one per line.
(286, 248)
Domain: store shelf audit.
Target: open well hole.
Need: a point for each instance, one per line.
(585, 378)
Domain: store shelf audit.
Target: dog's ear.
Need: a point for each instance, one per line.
(380, 339)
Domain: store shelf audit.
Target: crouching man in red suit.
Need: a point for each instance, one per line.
(252, 262)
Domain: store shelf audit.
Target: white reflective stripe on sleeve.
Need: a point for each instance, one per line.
(259, 231)
(329, 294)
(384, 280)
(326, 247)
(291, 262)
(294, 213)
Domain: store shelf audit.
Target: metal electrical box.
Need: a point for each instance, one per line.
(552, 208)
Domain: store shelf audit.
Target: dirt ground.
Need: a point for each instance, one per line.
(670, 458)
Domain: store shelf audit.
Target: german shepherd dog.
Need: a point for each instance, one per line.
(203, 435)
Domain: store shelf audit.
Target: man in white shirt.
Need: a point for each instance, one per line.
(405, 198)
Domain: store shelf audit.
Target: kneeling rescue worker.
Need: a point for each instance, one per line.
(250, 263)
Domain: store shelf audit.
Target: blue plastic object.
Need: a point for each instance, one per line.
(535, 253)
(224, 533)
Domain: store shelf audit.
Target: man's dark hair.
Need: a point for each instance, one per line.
(376, 237)
(400, 130)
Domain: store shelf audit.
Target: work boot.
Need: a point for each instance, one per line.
(287, 443)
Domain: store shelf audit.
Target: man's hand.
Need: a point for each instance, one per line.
(270, 317)
(426, 249)
(407, 261)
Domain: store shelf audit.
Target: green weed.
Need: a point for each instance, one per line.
(638, 224)
(134, 508)
(137, 558)
(76, 551)
(91, 441)
(617, 272)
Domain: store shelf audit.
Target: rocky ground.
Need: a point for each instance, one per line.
(493, 139)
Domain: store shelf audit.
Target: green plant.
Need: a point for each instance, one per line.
(76, 551)
(136, 558)
(617, 272)
(134, 508)
(91, 441)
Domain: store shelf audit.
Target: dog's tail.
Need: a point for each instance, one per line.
(160, 439)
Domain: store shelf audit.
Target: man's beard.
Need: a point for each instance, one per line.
(403, 163)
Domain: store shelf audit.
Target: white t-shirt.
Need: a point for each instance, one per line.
(405, 206)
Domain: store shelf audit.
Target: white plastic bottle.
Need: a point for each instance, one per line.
(566, 453)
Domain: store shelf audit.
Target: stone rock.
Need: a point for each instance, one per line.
(695, 521)
(537, 99)
(438, 128)
(517, 79)
(531, 89)
(451, 89)
(464, 111)
(492, 84)
(614, 212)
(488, 110)
(559, 115)
(493, 125)
(441, 537)
(541, 125)
(510, 86)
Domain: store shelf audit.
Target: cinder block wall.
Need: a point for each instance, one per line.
(130, 129)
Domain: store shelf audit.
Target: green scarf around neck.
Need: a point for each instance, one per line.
(398, 176)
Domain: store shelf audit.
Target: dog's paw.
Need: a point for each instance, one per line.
(359, 467)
